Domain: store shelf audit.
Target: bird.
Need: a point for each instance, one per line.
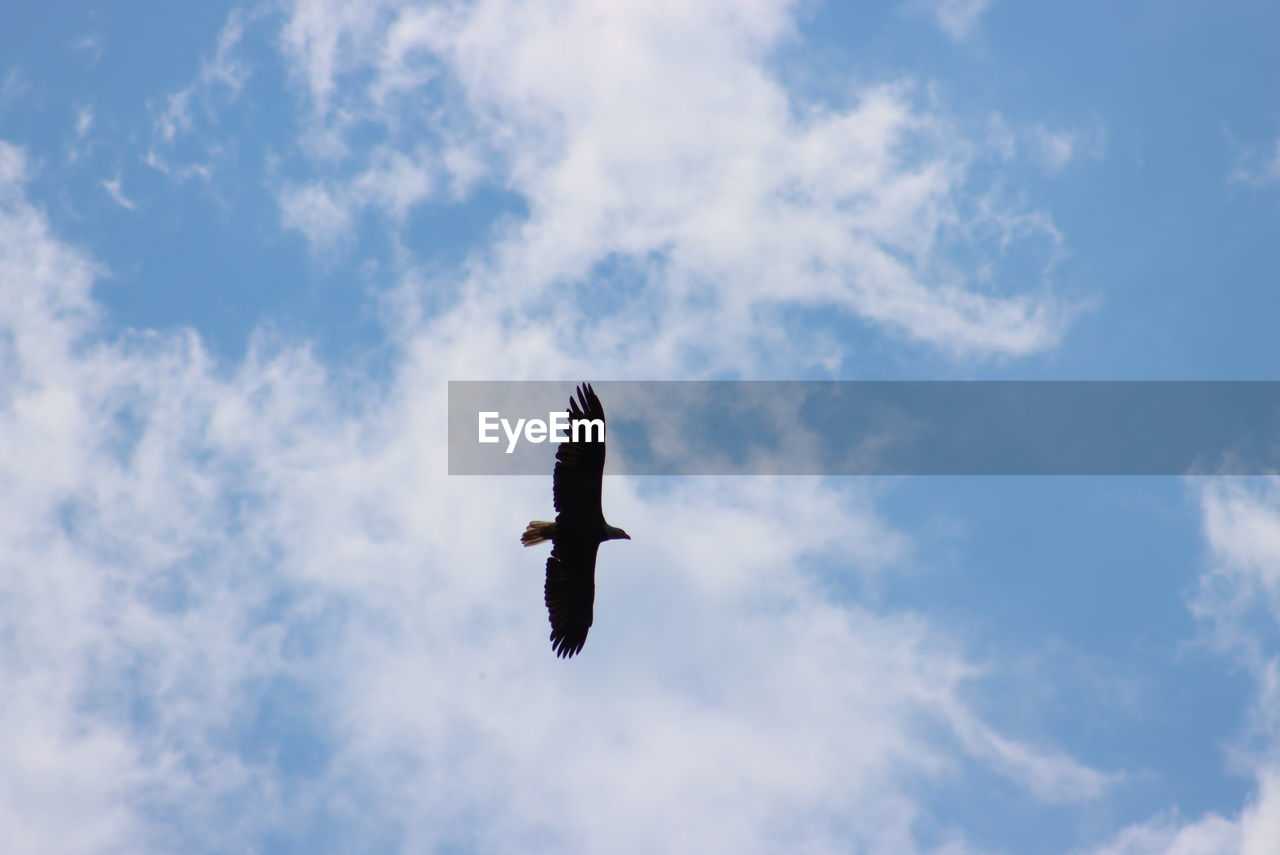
(579, 528)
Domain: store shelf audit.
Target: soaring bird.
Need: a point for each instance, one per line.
(579, 528)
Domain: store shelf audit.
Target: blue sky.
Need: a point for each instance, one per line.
(243, 247)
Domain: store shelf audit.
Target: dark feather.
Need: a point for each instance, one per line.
(570, 593)
(580, 466)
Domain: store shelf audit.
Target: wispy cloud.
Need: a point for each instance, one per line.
(1167, 835)
(314, 212)
(957, 18)
(219, 78)
(1050, 148)
(13, 86)
(392, 183)
(1055, 148)
(1258, 167)
(84, 121)
(696, 164)
(81, 142)
(193, 551)
(1053, 777)
(1238, 601)
(249, 608)
(92, 46)
(116, 192)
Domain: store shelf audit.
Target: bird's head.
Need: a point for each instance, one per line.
(615, 533)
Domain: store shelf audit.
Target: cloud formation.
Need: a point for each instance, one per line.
(1258, 168)
(1238, 603)
(694, 170)
(245, 609)
(957, 18)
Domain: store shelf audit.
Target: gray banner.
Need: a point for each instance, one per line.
(881, 428)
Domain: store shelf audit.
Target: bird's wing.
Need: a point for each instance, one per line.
(580, 465)
(570, 593)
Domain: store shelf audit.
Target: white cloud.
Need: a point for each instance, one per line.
(224, 70)
(1242, 528)
(1055, 148)
(1239, 602)
(1255, 832)
(115, 190)
(13, 86)
(1258, 168)
(184, 541)
(1212, 835)
(181, 542)
(84, 121)
(325, 211)
(957, 18)
(663, 141)
(313, 211)
(1052, 149)
(223, 76)
(325, 34)
(1051, 777)
(93, 46)
(81, 142)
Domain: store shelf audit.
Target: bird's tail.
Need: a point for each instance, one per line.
(537, 532)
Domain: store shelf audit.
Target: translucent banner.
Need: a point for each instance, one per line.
(878, 428)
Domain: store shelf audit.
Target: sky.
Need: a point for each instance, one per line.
(245, 246)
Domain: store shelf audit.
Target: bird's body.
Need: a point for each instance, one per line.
(579, 528)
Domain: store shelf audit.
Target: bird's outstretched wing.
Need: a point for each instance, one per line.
(570, 593)
(580, 465)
